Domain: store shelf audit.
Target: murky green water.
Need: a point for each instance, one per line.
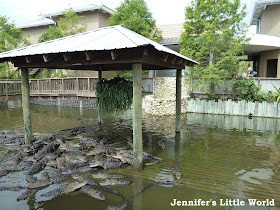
(222, 157)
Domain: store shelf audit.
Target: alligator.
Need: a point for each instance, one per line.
(126, 202)
(161, 183)
(12, 188)
(114, 182)
(49, 148)
(95, 184)
(106, 176)
(152, 163)
(26, 194)
(36, 167)
(75, 157)
(4, 172)
(176, 170)
(67, 145)
(31, 178)
(161, 144)
(97, 150)
(58, 177)
(89, 142)
(87, 189)
(64, 189)
(74, 168)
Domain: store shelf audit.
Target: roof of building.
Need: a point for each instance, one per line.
(85, 8)
(170, 41)
(260, 5)
(262, 42)
(37, 23)
(103, 39)
(46, 19)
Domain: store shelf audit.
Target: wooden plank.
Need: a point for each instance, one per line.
(26, 106)
(178, 100)
(137, 117)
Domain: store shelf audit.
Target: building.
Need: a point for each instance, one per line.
(94, 15)
(264, 47)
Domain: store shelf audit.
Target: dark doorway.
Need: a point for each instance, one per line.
(272, 68)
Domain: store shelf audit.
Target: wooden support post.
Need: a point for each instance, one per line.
(26, 106)
(137, 117)
(99, 107)
(178, 100)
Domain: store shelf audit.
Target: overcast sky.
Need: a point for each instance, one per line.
(22, 11)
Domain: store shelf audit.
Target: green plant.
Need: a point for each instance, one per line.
(277, 93)
(47, 73)
(214, 36)
(114, 95)
(59, 74)
(246, 89)
(136, 16)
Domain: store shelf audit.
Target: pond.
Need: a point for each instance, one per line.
(225, 161)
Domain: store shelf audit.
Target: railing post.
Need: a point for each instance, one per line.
(77, 85)
(62, 85)
(26, 106)
(50, 85)
(7, 93)
(38, 83)
(88, 82)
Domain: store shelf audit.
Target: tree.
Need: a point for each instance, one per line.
(215, 36)
(67, 26)
(135, 15)
(10, 38)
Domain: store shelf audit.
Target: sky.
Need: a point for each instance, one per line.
(23, 11)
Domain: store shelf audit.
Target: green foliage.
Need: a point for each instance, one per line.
(52, 33)
(214, 36)
(277, 93)
(67, 25)
(47, 73)
(247, 90)
(276, 139)
(10, 38)
(136, 16)
(59, 74)
(115, 94)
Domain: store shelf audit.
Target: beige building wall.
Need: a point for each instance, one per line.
(270, 20)
(33, 34)
(268, 55)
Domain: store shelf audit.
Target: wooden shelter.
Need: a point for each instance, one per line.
(104, 49)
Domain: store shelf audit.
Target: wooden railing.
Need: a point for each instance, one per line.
(9, 88)
(79, 86)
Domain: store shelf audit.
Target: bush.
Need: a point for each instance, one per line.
(247, 90)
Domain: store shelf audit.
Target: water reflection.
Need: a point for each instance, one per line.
(222, 157)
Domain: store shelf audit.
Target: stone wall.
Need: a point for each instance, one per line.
(163, 102)
(65, 102)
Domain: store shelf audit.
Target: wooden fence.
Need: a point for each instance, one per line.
(9, 88)
(78, 86)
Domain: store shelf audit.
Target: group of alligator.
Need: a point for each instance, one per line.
(70, 158)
